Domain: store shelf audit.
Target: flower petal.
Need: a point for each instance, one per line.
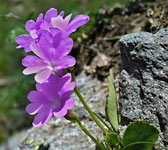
(33, 61)
(45, 34)
(33, 64)
(65, 62)
(37, 97)
(52, 12)
(36, 49)
(63, 82)
(43, 75)
(66, 104)
(48, 88)
(67, 18)
(30, 25)
(58, 22)
(27, 49)
(68, 45)
(42, 118)
(60, 113)
(54, 31)
(33, 34)
(39, 19)
(45, 26)
(77, 22)
(31, 70)
(65, 86)
(63, 48)
(42, 48)
(61, 14)
(70, 103)
(33, 108)
(24, 40)
(57, 39)
(68, 88)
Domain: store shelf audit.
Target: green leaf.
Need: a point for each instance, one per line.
(110, 129)
(140, 131)
(16, 32)
(112, 139)
(111, 104)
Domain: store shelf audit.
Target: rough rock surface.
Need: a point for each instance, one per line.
(144, 79)
(61, 134)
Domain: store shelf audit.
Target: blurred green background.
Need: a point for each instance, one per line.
(14, 86)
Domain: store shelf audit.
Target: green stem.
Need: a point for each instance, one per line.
(87, 132)
(103, 121)
(121, 144)
(108, 146)
(117, 37)
(144, 143)
(87, 107)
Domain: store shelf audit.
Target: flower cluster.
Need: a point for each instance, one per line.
(51, 98)
(50, 42)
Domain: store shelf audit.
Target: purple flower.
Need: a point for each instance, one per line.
(63, 24)
(32, 27)
(51, 98)
(50, 21)
(51, 56)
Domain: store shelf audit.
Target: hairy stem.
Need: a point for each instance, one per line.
(87, 107)
(87, 132)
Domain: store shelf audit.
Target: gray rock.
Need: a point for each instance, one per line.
(144, 79)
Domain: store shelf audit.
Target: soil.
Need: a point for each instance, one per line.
(100, 51)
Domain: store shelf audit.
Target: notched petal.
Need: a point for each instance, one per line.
(30, 25)
(52, 12)
(33, 108)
